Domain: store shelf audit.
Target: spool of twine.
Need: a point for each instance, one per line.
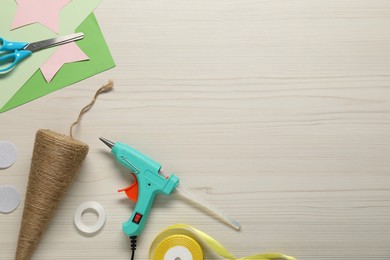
(55, 162)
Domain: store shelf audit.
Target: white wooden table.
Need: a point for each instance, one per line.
(276, 111)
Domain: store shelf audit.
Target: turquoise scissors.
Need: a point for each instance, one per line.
(11, 53)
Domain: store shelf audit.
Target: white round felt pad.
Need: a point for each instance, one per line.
(8, 154)
(9, 199)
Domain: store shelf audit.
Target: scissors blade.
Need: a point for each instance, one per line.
(37, 46)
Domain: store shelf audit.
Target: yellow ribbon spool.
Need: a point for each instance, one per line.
(177, 247)
(181, 242)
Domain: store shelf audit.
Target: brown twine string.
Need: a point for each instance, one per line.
(105, 88)
(55, 162)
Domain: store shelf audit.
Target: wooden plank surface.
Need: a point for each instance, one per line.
(277, 111)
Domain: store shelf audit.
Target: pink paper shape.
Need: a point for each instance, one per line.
(45, 12)
(66, 53)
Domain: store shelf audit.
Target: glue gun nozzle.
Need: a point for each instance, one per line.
(107, 142)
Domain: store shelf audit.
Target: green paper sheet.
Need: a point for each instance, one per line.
(72, 15)
(100, 59)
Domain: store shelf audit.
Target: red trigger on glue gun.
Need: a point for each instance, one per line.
(132, 190)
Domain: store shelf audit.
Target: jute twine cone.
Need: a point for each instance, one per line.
(56, 160)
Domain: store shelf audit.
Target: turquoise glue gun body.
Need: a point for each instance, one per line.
(148, 183)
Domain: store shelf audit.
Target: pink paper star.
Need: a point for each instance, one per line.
(66, 53)
(45, 12)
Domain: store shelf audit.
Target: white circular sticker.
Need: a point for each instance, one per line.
(8, 154)
(9, 199)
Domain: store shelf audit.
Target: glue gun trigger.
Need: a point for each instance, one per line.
(132, 190)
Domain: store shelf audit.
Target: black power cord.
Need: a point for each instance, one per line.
(133, 243)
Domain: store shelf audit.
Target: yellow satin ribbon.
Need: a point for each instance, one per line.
(200, 236)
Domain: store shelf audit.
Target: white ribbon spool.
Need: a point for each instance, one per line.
(89, 205)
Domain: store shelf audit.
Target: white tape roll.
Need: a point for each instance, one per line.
(89, 205)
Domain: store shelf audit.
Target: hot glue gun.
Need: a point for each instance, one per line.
(148, 182)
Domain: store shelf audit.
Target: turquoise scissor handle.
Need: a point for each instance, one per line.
(11, 53)
(7, 46)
